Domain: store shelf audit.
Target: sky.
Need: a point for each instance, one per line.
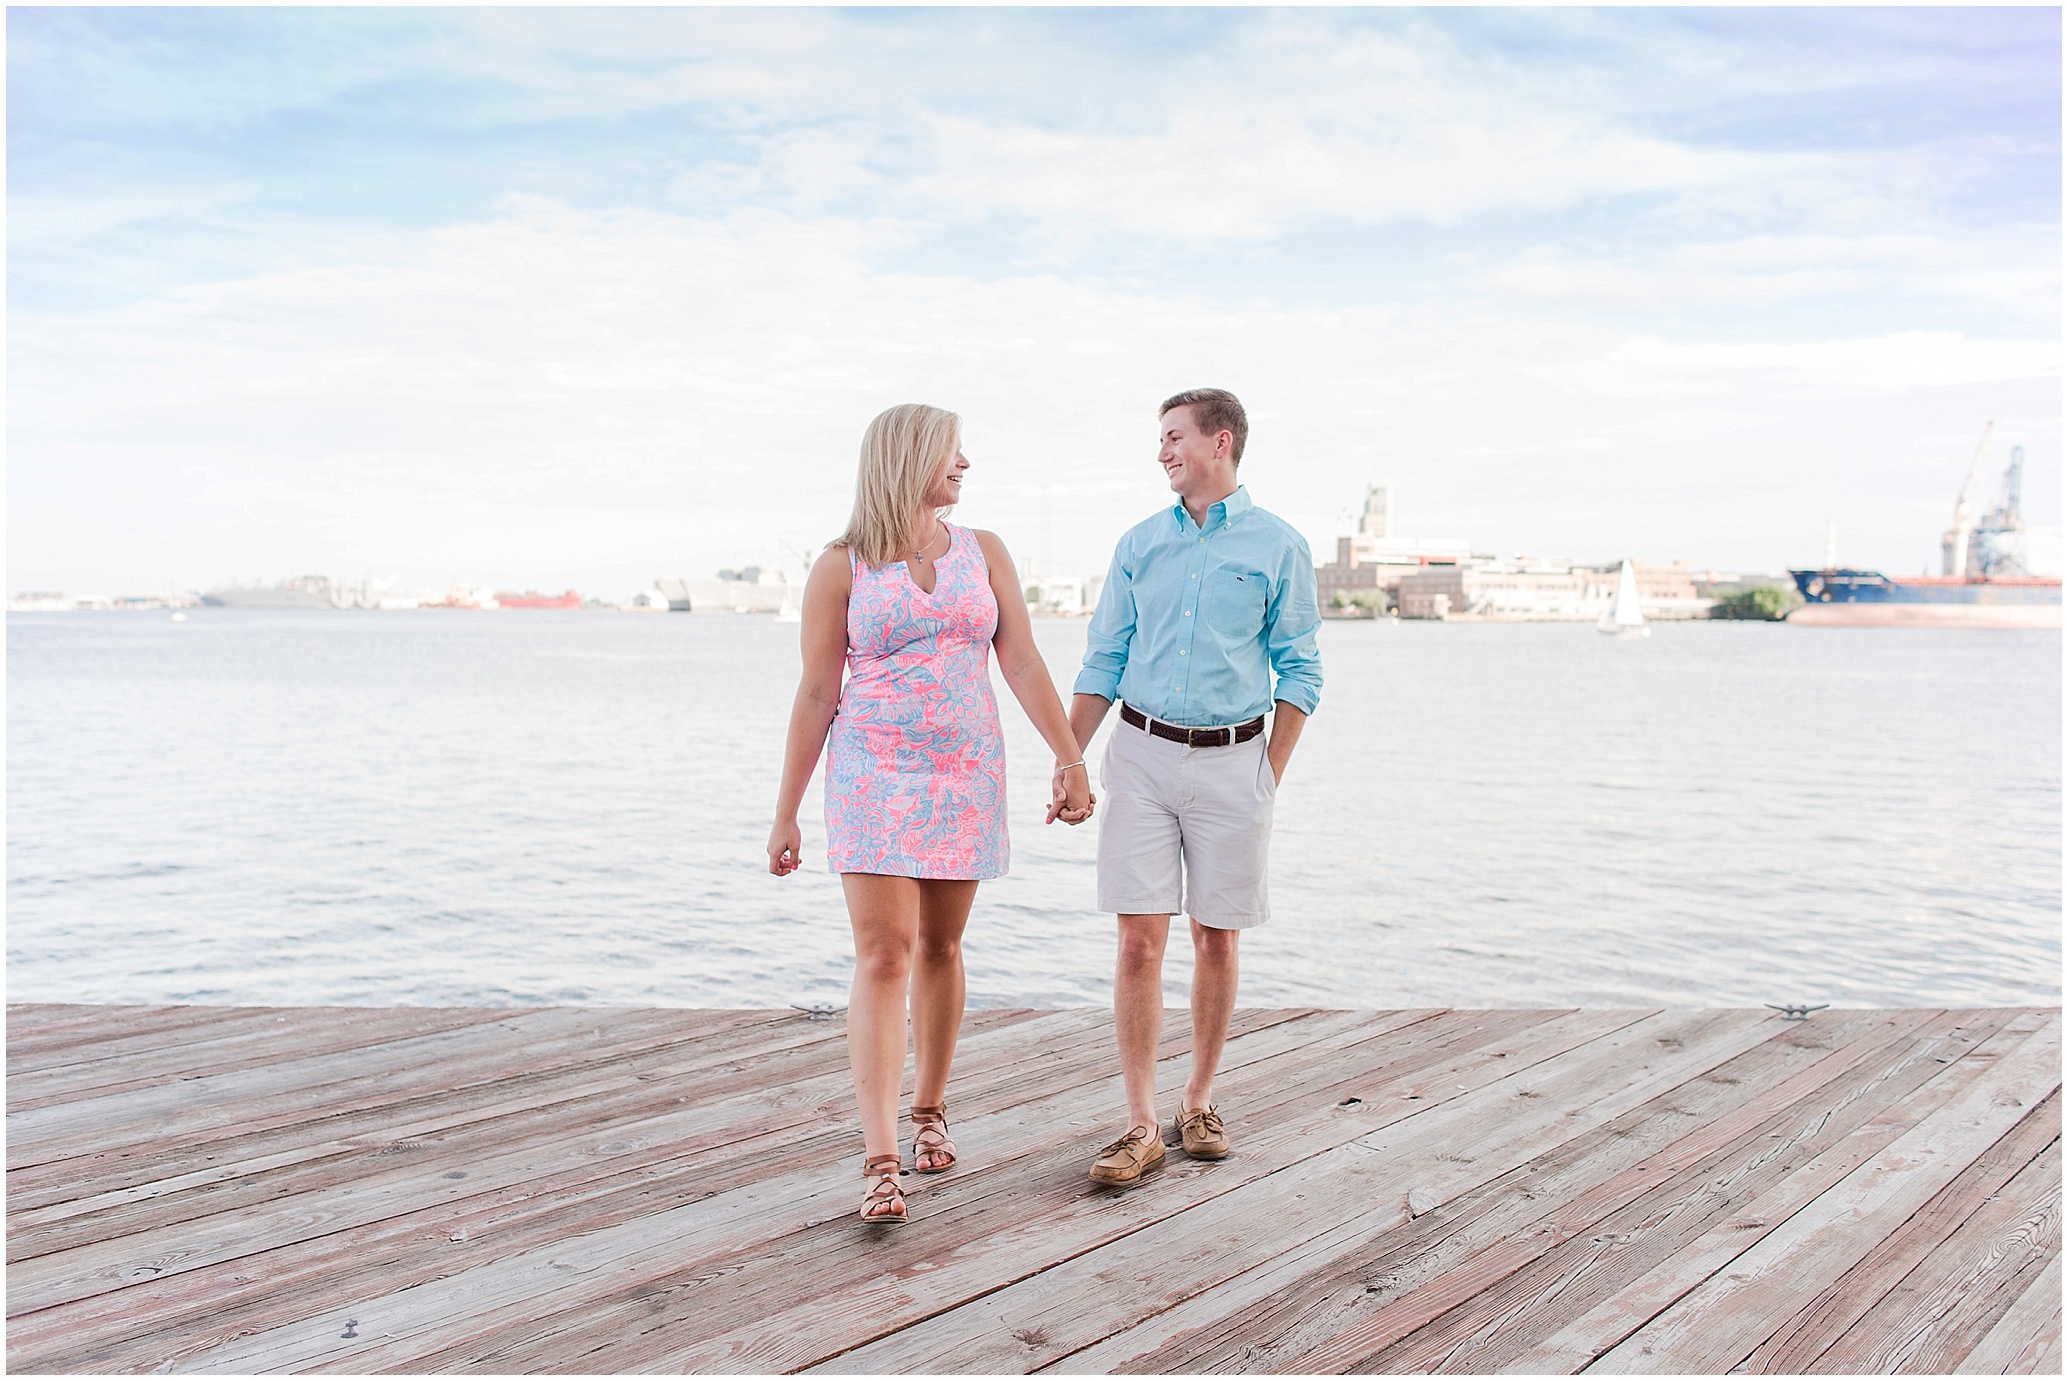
(558, 298)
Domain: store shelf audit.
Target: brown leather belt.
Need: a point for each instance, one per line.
(1191, 738)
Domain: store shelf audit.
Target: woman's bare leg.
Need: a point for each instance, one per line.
(937, 984)
(885, 914)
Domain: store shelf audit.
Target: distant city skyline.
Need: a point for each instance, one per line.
(546, 298)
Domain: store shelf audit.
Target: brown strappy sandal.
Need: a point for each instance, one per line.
(930, 1139)
(886, 1193)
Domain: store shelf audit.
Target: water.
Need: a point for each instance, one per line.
(514, 808)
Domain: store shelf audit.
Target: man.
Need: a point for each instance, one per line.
(1204, 603)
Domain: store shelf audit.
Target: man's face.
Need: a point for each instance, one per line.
(1195, 461)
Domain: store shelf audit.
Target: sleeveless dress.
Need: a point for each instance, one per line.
(915, 759)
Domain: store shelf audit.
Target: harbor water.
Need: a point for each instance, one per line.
(530, 807)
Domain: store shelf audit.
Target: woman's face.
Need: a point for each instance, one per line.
(947, 486)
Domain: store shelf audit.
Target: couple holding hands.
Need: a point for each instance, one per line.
(1206, 605)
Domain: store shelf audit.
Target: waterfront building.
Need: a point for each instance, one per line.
(58, 602)
(1666, 591)
(1440, 578)
(1065, 596)
(1433, 592)
(1527, 589)
(1374, 559)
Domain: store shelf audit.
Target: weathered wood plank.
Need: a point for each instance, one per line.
(299, 1090)
(1723, 1196)
(1593, 1293)
(26, 1034)
(1937, 1315)
(657, 1258)
(1070, 1216)
(1427, 1160)
(419, 1091)
(1975, 1199)
(2027, 1339)
(260, 1039)
(429, 1243)
(740, 1048)
(1299, 1301)
(61, 1040)
(486, 1227)
(258, 1216)
(605, 1089)
(739, 1041)
(31, 1016)
(669, 1191)
(1717, 1324)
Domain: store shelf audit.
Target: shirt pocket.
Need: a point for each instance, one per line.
(1235, 604)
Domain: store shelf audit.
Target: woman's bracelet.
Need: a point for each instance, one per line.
(1068, 765)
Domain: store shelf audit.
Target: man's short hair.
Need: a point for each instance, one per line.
(1214, 410)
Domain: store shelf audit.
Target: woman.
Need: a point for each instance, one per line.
(915, 774)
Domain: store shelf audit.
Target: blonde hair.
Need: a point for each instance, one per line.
(904, 451)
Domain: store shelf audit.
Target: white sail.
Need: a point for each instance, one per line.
(1625, 616)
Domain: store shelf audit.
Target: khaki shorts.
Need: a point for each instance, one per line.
(1185, 829)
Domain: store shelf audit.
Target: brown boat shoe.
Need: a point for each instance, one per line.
(1129, 1158)
(1201, 1131)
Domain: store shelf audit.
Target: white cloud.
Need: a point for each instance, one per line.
(1256, 169)
(2017, 272)
(1576, 354)
(551, 395)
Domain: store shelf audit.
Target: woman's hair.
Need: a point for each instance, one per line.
(904, 451)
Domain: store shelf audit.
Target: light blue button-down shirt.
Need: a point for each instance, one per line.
(1194, 621)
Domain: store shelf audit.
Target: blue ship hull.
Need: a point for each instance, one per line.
(1841, 595)
(1841, 585)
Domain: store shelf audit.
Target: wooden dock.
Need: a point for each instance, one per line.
(578, 1190)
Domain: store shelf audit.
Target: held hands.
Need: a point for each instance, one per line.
(1071, 800)
(785, 848)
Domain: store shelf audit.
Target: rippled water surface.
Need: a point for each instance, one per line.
(545, 807)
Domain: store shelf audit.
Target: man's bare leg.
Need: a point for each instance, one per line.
(1138, 1011)
(1214, 971)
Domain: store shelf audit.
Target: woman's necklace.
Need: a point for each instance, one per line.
(920, 554)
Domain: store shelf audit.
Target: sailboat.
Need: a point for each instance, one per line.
(790, 612)
(1624, 618)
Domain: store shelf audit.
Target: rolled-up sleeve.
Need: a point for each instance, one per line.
(1112, 630)
(1292, 630)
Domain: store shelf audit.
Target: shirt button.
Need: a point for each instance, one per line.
(1188, 613)
(1181, 652)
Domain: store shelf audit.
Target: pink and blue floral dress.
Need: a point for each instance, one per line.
(915, 759)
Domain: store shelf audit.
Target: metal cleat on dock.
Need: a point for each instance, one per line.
(1795, 1011)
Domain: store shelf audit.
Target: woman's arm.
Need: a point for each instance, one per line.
(824, 638)
(1020, 660)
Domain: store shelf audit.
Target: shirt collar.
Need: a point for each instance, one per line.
(1231, 509)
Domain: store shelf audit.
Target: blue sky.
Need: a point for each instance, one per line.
(584, 296)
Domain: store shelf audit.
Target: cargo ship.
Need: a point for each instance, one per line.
(1842, 595)
(1984, 584)
(532, 599)
(305, 592)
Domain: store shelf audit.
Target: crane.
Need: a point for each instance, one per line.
(1954, 549)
